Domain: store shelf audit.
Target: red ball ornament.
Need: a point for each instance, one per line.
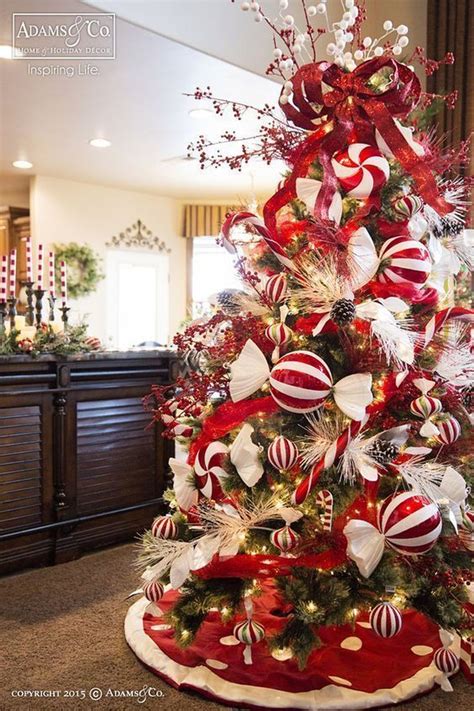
(300, 382)
(164, 527)
(153, 591)
(446, 661)
(410, 523)
(385, 620)
(449, 430)
(282, 453)
(209, 470)
(284, 538)
(276, 288)
(404, 261)
(361, 170)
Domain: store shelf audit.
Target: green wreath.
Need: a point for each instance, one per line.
(84, 268)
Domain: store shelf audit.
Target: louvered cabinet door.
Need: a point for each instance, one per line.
(117, 454)
(26, 479)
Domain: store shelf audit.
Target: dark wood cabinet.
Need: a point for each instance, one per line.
(80, 465)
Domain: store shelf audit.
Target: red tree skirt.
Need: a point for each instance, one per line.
(354, 668)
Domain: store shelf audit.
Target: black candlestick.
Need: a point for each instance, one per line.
(11, 301)
(39, 293)
(64, 309)
(30, 312)
(3, 317)
(52, 301)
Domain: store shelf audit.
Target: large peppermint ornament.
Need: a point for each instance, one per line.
(164, 527)
(385, 620)
(361, 170)
(153, 591)
(276, 288)
(411, 524)
(209, 472)
(449, 430)
(284, 539)
(282, 453)
(404, 261)
(407, 206)
(300, 382)
(446, 661)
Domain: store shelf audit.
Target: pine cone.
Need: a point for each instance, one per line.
(228, 301)
(447, 228)
(468, 398)
(343, 312)
(383, 451)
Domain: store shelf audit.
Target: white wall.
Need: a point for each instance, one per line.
(66, 211)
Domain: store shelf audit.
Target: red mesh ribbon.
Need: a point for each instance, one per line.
(351, 109)
(228, 416)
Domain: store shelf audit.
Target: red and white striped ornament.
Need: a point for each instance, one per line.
(466, 531)
(4, 279)
(52, 274)
(407, 206)
(285, 539)
(404, 261)
(411, 524)
(93, 343)
(325, 500)
(282, 453)
(437, 322)
(153, 591)
(300, 382)
(449, 430)
(361, 170)
(280, 335)
(209, 470)
(446, 660)
(164, 527)
(425, 406)
(177, 429)
(29, 260)
(276, 288)
(12, 274)
(385, 620)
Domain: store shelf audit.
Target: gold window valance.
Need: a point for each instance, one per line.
(204, 220)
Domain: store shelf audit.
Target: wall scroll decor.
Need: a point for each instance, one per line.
(138, 235)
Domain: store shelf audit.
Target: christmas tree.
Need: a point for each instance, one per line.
(319, 533)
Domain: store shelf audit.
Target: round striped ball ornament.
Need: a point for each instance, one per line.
(300, 382)
(249, 632)
(153, 591)
(449, 430)
(209, 470)
(446, 661)
(282, 453)
(385, 620)
(407, 206)
(284, 539)
(404, 261)
(164, 527)
(276, 288)
(361, 170)
(425, 406)
(410, 523)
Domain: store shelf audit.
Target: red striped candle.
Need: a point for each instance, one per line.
(3, 278)
(40, 279)
(29, 260)
(13, 272)
(64, 283)
(52, 286)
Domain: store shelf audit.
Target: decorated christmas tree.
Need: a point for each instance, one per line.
(317, 549)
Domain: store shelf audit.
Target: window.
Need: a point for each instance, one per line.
(137, 298)
(213, 270)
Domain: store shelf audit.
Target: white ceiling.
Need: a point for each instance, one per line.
(164, 48)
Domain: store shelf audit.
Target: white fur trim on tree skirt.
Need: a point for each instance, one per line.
(204, 679)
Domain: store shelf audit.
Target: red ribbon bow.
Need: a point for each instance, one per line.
(351, 106)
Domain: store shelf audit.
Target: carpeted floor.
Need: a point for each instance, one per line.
(61, 630)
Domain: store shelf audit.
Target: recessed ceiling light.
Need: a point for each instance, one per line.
(100, 143)
(201, 113)
(23, 164)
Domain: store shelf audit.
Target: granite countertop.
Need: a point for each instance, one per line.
(93, 356)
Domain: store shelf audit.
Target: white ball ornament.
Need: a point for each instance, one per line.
(367, 41)
(378, 51)
(355, 11)
(340, 44)
(245, 6)
(349, 4)
(277, 53)
(288, 87)
(331, 48)
(311, 11)
(403, 41)
(349, 37)
(283, 99)
(402, 29)
(358, 54)
(254, 6)
(289, 20)
(343, 24)
(283, 4)
(258, 17)
(346, 16)
(321, 8)
(388, 25)
(397, 50)
(301, 39)
(339, 34)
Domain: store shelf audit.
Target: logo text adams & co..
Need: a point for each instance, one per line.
(63, 35)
